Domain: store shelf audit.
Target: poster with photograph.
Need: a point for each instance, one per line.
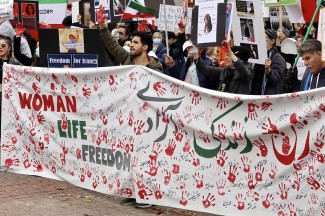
(118, 7)
(245, 9)
(71, 41)
(249, 32)
(274, 19)
(265, 10)
(6, 11)
(106, 5)
(207, 23)
(253, 48)
(28, 15)
(229, 15)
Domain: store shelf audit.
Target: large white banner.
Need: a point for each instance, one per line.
(130, 131)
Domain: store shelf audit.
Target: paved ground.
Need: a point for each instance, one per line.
(22, 195)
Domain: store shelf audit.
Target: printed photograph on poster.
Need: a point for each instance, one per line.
(28, 15)
(28, 10)
(207, 23)
(253, 48)
(71, 41)
(245, 9)
(247, 30)
(229, 14)
(199, 2)
(274, 19)
(119, 7)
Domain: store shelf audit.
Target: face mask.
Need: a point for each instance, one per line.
(127, 48)
(156, 41)
(37, 52)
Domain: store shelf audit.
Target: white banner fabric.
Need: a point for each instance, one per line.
(132, 132)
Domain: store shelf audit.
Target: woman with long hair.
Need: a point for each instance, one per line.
(208, 23)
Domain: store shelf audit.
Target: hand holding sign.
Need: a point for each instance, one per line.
(19, 30)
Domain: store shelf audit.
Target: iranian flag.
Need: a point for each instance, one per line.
(137, 9)
(52, 11)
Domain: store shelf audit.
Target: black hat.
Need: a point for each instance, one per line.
(67, 21)
(241, 52)
(271, 33)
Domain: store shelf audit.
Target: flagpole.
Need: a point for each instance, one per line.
(166, 33)
(309, 28)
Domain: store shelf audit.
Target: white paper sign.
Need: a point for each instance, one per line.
(249, 32)
(6, 9)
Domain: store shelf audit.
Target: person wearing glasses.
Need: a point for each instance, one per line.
(5, 57)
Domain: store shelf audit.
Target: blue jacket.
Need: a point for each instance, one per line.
(160, 53)
(274, 84)
(312, 81)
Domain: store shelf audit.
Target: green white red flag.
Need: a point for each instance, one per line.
(137, 9)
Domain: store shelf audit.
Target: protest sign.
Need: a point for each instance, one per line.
(133, 132)
(273, 3)
(52, 11)
(6, 9)
(174, 14)
(321, 33)
(248, 29)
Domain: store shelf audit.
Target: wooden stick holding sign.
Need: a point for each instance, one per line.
(166, 33)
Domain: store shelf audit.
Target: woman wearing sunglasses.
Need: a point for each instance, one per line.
(5, 56)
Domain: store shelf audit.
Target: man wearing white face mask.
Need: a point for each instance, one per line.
(160, 49)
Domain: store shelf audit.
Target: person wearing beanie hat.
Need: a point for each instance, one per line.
(235, 77)
(275, 66)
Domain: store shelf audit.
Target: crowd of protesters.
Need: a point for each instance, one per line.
(224, 68)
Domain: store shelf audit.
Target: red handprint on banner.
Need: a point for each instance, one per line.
(233, 173)
(155, 152)
(204, 137)
(171, 147)
(179, 133)
(252, 114)
(270, 128)
(187, 146)
(283, 191)
(198, 179)
(130, 118)
(196, 98)
(86, 91)
(266, 105)
(295, 120)
(295, 183)
(273, 171)
(159, 88)
(222, 130)
(55, 79)
(195, 161)
(240, 201)
(153, 168)
(167, 176)
(156, 190)
(208, 201)
(221, 158)
(246, 163)
(138, 127)
(112, 83)
(64, 122)
(188, 114)
(259, 172)
(36, 88)
(250, 181)
(293, 210)
(319, 142)
(267, 201)
(174, 88)
(8, 92)
(313, 183)
(184, 200)
(221, 187)
(222, 103)
(317, 155)
(11, 162)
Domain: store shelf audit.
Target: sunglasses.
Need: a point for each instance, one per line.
(3, 45)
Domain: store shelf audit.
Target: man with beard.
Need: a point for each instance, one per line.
(140, 47)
